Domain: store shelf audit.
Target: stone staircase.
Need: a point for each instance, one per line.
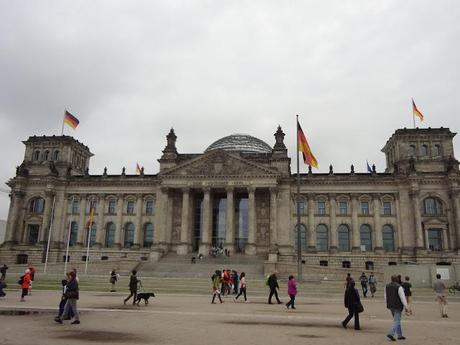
(181, 266)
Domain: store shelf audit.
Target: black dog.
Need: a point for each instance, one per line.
(145, 296)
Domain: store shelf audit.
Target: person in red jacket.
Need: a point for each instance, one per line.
(25, 284)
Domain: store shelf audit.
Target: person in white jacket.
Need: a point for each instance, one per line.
(396, 302)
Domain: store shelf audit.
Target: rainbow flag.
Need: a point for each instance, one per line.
(416, 111)
(308, 156)
(70, 120)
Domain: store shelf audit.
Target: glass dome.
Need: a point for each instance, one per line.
(240, 142)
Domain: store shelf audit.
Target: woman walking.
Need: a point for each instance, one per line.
(242, 287)
(292, 291)
(352, 303)
(72, 296)
(216, 280)
(25, 282)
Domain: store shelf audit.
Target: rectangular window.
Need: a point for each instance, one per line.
(130, 207)
(92, 205)
(435, 239)
(301, 207)
(343, 207)
(149, 207)
(33, 230)
(75, 206)
(321, 207)
(111, 207)
(387, 208)
(365, 208)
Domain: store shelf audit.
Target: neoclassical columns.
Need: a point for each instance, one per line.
(273, 221)
(378, 247)
(100, 221)
(354, 224)
(417, 221)
(230, 220)
(46, 217)
(250, 248)
(138, 227)
(207, 222)
(81, 222)
(119, 225)
(183, 246)
(161, 214)
(16, 201)
(333, 223)
(455, 196)
(311, 231)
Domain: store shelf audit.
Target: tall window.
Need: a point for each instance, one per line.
(56, 155)
(412, 150)
(241, 217)
(33, 231)
(92, 205)
(111, 207)
(92, 236)
(435, 239)
(73, 233)
(344, 238)
(387, 208)
(130, 207)
(46, 155)
(75, 206)
(432, 207)
(388, 238)
(303, 238)
(148, 235)
(218, 221)
(343, 207)
(37, 205)
(301, 206)
(322, 238)
(36, 156)
(437, 150)
(149, 207)
(321, 207)
(424, 150)
(366, 237)
(365, 208)
(129, 235)
(197, 222)
(110, 235)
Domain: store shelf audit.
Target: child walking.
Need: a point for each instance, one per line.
(242, 287)
(292, 291)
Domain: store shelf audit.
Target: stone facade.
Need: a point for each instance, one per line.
(240, 195)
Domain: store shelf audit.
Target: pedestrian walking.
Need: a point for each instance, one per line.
(3, 270)
(216, 281)
(133, 282)
(272, 283)
(372, 284)
(236, 282)
(440, 290)
(72, 294)
(363, 279)
(24, 281)
(348, 279)
(32, 277)
(406, 285)
(353, 303)
(242, 287)
(2, 286)
(396, 302)
(113, 280)
(63, 301)
(292, 292)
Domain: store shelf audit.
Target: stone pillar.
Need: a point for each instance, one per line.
(273, 224)
(46, 217)
(311, 231)
(12, 233)
(183, 247)
(378, 246)
(161, 211)
(206, 234)
(138, 227)
(230, 221)
(250, 248)
(81, 221)
(60, 212)
(100, 229)
(333, 224)
(456, 206)
(119, 222)
(355, 231)
(417, 222)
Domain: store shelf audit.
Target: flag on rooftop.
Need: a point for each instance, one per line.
(70, 120)
(308, 156)
(416, 111)
(138, 169)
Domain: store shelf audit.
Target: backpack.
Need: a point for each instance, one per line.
(21, 280)
(268, 281)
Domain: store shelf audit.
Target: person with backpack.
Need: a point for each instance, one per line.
(272, 283)
(133, 281)
(353, 304)
(24, 281)
(216, 280)
(242, 287)
(72, 295)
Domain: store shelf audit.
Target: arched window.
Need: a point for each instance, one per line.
(366, 237)
(36, 156)
(303, 238)
(56, 155)
(46, 155)
(412, 150)
(344, 238)
(388, 238)
(110, 234)
(322, 238)
(92, 236)
(148, 235)
(73, 234)
(37, 205)
(129, 235)
(432, 207)
(424, 150)
(437, 150)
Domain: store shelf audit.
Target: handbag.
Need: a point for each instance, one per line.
(359, 307)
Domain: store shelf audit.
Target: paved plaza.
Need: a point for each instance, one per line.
(192, 319)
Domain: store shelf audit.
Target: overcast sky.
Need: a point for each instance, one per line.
(131, 70)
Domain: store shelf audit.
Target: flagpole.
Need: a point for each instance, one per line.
(88, 239)
(49, 235)
(299, 244)
(62, 129)
(68, 236)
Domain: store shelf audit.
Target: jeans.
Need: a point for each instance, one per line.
(352, 312)
(396, 327)
(70, 306)
(291, 302)
(242, 291)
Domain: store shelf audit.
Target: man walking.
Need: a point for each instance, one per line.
(363, 280)
(133, 281)
(440, 290)
(3, 270)
(372, 284)
(396, 302)
(272, 283)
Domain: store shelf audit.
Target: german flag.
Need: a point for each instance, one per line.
(308, 157)
(416, 111)
(70, 120)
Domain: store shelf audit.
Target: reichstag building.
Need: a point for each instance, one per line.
(239, 194)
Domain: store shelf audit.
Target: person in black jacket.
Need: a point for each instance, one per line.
(352, 301)
(272, 283)
(72, 295)
(133, 281)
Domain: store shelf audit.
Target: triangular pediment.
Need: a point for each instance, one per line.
(220, 163)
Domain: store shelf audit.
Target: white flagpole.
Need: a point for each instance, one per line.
(49, 234)
(68, 236)
(299, 238)
(88, 239)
